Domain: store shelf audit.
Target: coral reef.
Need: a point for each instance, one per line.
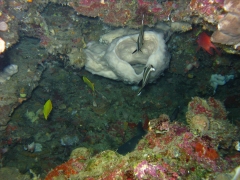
(207, 9)
(208, 118)
(71, 167)
(159, 125)
(170, 150)
(211, 108)
(176, 152)
(118, 13)
(145, 170)
(123, 13)
(31, 20)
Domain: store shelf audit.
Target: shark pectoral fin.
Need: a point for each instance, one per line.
(134, 51)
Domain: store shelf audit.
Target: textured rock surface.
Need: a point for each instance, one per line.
(21, 83)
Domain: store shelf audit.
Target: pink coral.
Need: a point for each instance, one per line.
(210, 108)
(207, 7)
(218, 108)
(159, 125)
(200, 106)
(145, 169)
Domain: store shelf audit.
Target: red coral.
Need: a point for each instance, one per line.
(200, 109)
(206, 152)
(218, 108)
(211, 108)
(198, 106)
(151, 139)
(212, 154)
(72, 166)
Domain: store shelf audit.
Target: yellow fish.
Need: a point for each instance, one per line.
(47, 108)
(89, 83)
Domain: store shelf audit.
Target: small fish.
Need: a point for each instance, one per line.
(146, 75)
(130, 145)
(89, 83)
(140, 39)
(204, 41)
(198, 32)
(47, 108)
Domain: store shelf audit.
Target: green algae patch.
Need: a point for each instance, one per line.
(99, 163)
(81, 151)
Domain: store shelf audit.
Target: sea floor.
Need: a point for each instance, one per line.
(107, 118)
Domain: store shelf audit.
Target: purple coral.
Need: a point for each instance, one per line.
(145, 169)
